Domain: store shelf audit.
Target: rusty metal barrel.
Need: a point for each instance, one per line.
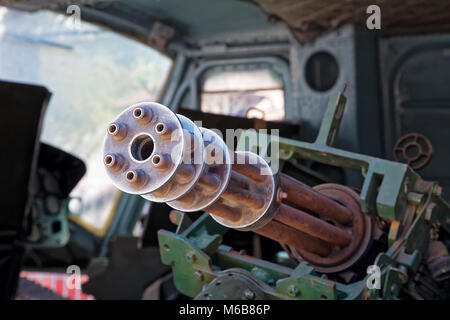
(163, 156)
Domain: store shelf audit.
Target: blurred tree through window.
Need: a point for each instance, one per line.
(93, 75)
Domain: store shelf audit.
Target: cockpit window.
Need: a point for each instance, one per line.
(93, 74)
(243, 93)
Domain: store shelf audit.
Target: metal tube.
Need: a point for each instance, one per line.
(161, 162)
(243, 196)
(249, 170)
(185, 172)
(223, 211)
(169, 159)
(305, 197)
(312, 225)
(187, 200)
(240, 180)
(282, 233)
(209, 181)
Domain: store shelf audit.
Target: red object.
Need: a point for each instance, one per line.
(58, 283)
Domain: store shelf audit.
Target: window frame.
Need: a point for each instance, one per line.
(192, 82)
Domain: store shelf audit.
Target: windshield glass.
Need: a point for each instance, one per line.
(248, 93)
(93, 74)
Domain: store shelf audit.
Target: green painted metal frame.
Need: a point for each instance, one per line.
(196, 254)
(49, 237)
(383, 178)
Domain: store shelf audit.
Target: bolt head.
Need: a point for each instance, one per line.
(249, 294)
(191, 257)
(292, 291)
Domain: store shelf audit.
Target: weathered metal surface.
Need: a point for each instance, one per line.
(303, 285)
(307, 198)
(173, 161)
(438, 261)
(165, 157)
(360, 231)
(385, 183)
(255, 197)
(414, 149)
(413, 100)
(234, 284)
(309, 20)
(152, 144)
(295, 238)
(391, 192)
(313, 226)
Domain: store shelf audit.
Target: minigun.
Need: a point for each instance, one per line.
(326, 229)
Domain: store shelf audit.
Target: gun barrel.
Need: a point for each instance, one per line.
(164, 157)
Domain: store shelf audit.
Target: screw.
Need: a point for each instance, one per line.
(249, 294)
(281, 195)
(292, 291)
(191, 257)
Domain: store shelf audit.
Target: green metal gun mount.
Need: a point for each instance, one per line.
(408, 210)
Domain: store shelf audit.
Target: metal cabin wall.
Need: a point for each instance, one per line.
(355, 49)
(415, 78)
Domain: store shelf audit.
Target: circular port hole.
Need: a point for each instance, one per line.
(156, 159)
(108, 160)
(130, 175)
(137, 112)
(321, 71)
(142, 147)
(159, 127)
(112, 128)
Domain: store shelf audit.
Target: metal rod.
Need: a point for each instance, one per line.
(185, 172)
(305, 197)
(248, 170)
(313, 226)
(282, 233)
(209, 181)
(187, 199)
(243, 196)
(224, 211)
(240, 180)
